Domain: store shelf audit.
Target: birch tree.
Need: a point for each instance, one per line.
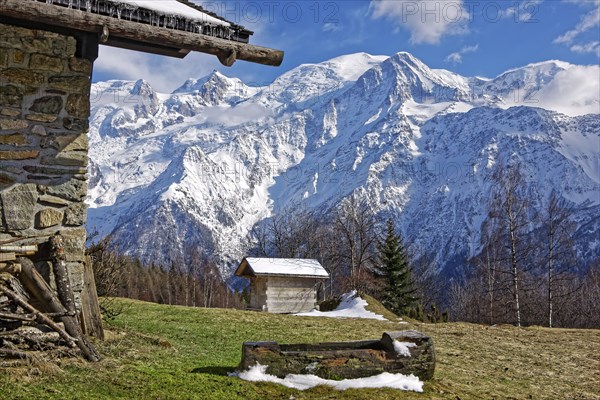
(558, 232)
(510, 209)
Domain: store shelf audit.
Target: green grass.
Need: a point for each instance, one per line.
(167, 352)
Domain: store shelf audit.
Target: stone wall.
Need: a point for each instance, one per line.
(44, 109)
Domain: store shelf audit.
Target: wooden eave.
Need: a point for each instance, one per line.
(244, 270)
(132, 35)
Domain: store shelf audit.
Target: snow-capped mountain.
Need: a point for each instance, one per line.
(202, 165)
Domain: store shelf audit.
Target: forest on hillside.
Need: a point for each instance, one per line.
(520, 276)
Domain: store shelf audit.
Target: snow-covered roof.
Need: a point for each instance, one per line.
(171, 28)
(174, 8)
(182, 15)
(296, 267)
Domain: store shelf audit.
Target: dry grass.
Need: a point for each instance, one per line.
(162, 352)
(505, 362)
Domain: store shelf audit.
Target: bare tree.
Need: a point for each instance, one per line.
(559, 230)
(510, 209)
(359, 233)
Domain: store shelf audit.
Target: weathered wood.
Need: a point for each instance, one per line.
(345, 360)
(63, 283)
(4, 257)
(91, 319)
(24, 250)
(8, 279)
(226, 50)
(17, 317)
(10, 268)
(37, 286)
(9, 353)
(40, 317)
(290, 295)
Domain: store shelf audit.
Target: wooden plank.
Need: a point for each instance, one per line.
(7, 257)
(21, 250)
(91, 319)
(292, 282)
(283, 300)
(227, 51)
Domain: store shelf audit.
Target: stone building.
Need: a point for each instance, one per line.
(47, 50)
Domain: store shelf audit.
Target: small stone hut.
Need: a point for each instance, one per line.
(282, 285)
(47, 50)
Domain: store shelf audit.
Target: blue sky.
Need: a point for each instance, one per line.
(482, 38)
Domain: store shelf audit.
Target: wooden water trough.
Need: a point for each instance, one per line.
(405, 352)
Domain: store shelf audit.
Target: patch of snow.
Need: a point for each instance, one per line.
(351, 306)
(403, 348)
(374, 118)
(304, 382)
(350, 67)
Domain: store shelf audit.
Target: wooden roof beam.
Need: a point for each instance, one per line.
(119, 30)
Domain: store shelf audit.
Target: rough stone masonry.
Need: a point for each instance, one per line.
(44, 109)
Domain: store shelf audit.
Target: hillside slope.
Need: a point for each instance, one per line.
(167, 352)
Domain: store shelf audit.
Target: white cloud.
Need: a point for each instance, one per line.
(588, 21)
(163, 73)
(525, 11)
(529, 9)
(427, 21)
(232, 116)
(573, 91)
(456, 57)
(331, 27)
(591, 47)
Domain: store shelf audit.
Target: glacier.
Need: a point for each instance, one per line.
(201, 166)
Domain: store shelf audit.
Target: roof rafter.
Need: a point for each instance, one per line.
(128, 34)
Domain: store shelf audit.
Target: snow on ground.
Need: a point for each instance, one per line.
(303, 382)
(351, 306)
(402, 348)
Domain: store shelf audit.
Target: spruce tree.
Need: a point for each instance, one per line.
(398, 293)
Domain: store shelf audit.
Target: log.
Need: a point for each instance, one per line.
(10, 268)
(24, 250)
(31, 317)
(122, 30)
(10, 281)
(41, 318)
(37, 286)
(63, 282)
(404, 352)
(17, 317)
(13, 353)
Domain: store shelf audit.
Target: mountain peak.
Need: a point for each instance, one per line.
(193, 85)
(543, 65)
(142, 88)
